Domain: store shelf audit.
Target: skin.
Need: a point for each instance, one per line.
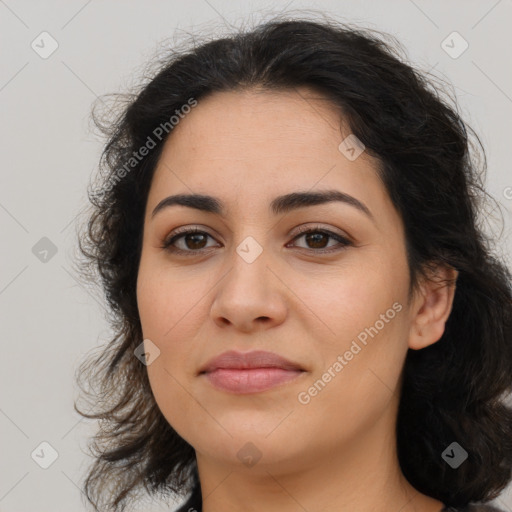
(338, 451)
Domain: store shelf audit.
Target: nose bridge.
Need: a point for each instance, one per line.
(249, 290)
(251, 235)
(249, 263)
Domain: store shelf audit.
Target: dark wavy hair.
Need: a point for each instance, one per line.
(432, 165)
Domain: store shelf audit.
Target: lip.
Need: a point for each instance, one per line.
(249, 372)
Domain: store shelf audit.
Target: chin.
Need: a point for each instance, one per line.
(251, 452)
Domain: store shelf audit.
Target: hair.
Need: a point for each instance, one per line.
(453, 390)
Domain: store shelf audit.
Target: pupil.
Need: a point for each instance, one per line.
(195, 238)
(315, 235)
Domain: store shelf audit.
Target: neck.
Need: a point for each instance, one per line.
(363, 475)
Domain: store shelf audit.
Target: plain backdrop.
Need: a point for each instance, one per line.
(48, 83)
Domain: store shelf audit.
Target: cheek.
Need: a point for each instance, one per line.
(172, 395)
(363, 314)
(352, 297)
(167, 320)
(166, 299)
(358, 380)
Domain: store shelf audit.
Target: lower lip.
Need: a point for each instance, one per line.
(250, 380)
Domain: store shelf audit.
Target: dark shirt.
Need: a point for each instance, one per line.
(472, 508)
(194, 504)
(195, 501)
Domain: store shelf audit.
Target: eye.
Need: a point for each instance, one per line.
(194, 240)
(318, 236)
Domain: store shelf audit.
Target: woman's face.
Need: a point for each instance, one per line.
(249, 280)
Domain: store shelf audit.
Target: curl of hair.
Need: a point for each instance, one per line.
(453, 390)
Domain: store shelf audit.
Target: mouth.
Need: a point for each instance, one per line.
(250, 372)
(251, 380)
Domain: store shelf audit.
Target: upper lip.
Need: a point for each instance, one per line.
(244, 360)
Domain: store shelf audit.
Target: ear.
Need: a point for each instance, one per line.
(432, 306)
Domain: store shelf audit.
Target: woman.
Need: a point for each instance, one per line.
(306, 314)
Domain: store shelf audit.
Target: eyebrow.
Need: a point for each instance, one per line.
(279, 205)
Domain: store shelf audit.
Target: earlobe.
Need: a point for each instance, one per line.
(432, 307)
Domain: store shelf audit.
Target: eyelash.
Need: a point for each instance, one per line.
(344, 242)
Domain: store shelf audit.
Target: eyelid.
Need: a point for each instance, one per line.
(316, 226)
(185, 230)
(300, 230)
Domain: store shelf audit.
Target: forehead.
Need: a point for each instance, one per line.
(261, 124)
(240, 145)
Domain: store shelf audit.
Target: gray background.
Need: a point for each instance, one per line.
(49, 319)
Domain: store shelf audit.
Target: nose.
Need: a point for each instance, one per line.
(250, 297)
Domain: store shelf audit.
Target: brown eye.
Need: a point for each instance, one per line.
(317, 240)
(193, 240)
